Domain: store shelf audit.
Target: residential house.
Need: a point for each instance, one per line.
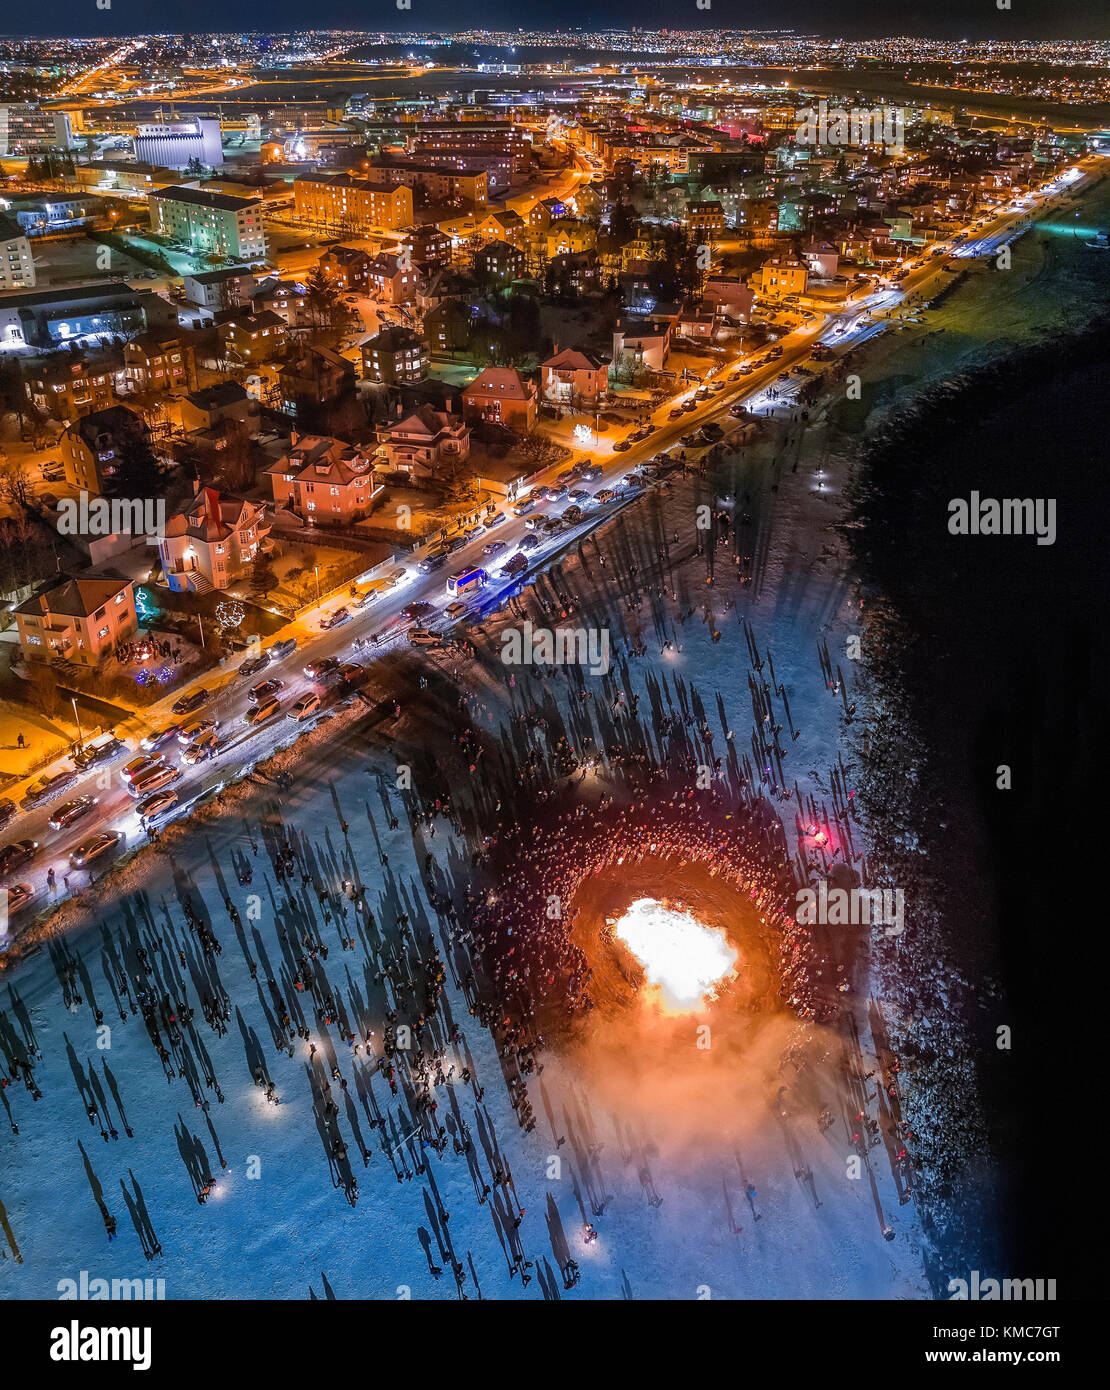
(501, 394)
(253, 337)
(394, 355)
(92, 445)
(158, 362)
(326, 482)
(447, 326)
(782, 275)
(498, 261)
(574, 380)
(212, 542)
(315, 376)
(389, 280)
(348, 267)
(424, 443)
(79, 620)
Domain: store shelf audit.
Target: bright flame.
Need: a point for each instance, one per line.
(682, 958)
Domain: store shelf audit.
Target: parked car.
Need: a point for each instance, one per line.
(199, 728)
(70, 812)
(302, 708)
(676, 413)
(254, 664)
(263, 690)
(94, 849)
(187, 704)
(155, 780)
(15, 855)
(494, 520)
(158, 737)
(606, 494)
(7, 811)
(139, 767)
(99, 750)
(43, 789)
(262, 712)
(434, 560)
(202, 750)
(528, 543)
(366, 598)
(567, 476)
(280, 650)
(621, 446)
(320, 668)
(157, 805)
(457, 610)
(336, 619)
(19, 895)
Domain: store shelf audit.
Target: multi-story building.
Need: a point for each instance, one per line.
(326, 482)
(346, 266)
(424, 443)
(79, 620)
(390, 280)
(253, 337)
(52, 318)
(344, 204)
(782, 275)
(574, 380)
(429, 245)
(497, 260)
(394, 355)
(567, 235)
(17, 267)
(212, 542)
(705, 220)
(93, 444)
(66, 387)
(210, 223)
(28, 129)
(315, 376)
(502, 395)
(497, 165)
(220, 289)
(467, 186)
(175, 144)
(157, 362)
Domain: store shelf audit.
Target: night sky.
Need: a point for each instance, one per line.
(849, 18)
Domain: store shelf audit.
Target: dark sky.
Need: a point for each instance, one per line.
(849, 18)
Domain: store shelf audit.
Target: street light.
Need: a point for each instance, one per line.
(77, 721)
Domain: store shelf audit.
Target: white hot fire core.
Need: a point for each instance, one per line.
(683, 959)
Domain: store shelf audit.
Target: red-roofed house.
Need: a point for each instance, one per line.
(575, 380)
(211, 544)
(326, 482)
(501, 394)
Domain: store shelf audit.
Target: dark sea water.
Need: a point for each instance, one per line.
(994, 655)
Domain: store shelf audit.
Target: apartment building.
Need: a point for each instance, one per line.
(92, 445)
(342, 203)
(17, 266)
(209, 223)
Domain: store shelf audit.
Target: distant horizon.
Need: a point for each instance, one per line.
(945, 21)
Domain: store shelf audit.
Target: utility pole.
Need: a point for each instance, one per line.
(77, 721)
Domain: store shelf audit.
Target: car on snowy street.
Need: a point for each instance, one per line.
(94, 849)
